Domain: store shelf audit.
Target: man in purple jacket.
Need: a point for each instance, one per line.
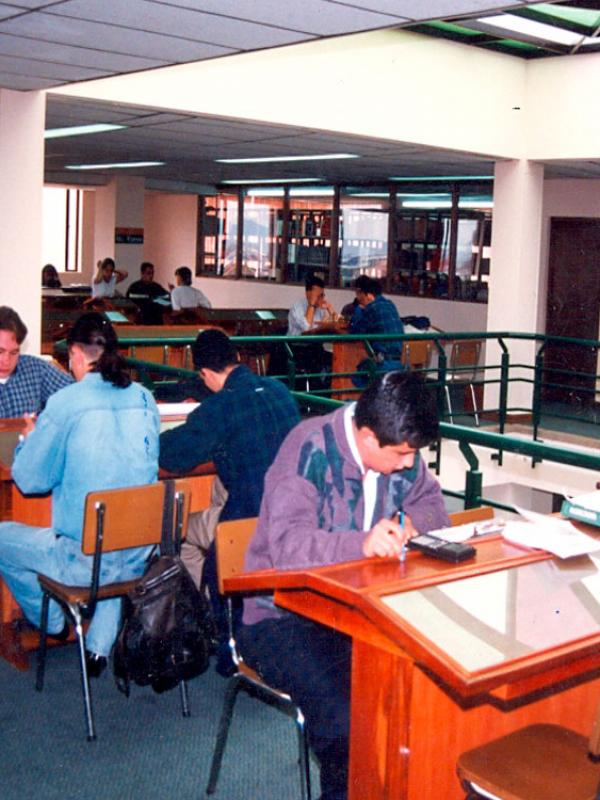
(333, 494)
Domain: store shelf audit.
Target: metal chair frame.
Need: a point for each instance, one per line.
(463, 368)
(246, 679)
(80, 602)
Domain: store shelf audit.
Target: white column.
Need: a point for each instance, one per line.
(119, 204)
(22, 116)
(515, 270)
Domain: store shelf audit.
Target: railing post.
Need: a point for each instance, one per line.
(504, 370)
(536, 409)
(473, 478)
(440, 398)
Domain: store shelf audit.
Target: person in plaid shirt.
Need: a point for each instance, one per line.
(26, 382)
(239, 428)
(376, 314)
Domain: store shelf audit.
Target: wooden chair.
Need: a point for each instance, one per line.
(232, 539)
(471, 515)
(539, 762)
(416, 354)
(463, 369)
(114, 519)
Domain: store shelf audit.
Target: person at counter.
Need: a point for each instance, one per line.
(376, 314)
(145, 292)
(106, 279)
(50, 279)
(98, 433)
(239, 427)
(184, 295)
(26, 382)
(312, 311)
(312, 314)
(333, 494)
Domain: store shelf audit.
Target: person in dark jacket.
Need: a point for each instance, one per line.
(239, 428)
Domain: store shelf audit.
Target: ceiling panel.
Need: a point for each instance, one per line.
(227, 32)
(319, 17)
(434, 9)
(44, 44)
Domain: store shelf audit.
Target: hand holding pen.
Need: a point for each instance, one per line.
(387, 537)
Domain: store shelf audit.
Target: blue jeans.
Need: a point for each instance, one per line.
(26, 551)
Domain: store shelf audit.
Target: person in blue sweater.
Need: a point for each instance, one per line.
(100, 432)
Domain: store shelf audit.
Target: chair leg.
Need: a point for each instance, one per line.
(447, 391)
(85, 681)
(233, 687)
(41, 655)
(304, 762)
(475, 409)
(185, 700)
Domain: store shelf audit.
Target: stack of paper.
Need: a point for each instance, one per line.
(549, 533)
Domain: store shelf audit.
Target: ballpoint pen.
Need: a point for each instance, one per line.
(403, 551)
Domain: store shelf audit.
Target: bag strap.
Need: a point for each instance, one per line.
(167, 545)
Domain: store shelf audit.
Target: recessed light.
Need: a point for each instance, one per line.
(532, 29)
(117, 165)
(81, 130)
(251, 181)
(268, 159)
(444, 178)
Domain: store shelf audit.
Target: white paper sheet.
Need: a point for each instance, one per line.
(555, 535)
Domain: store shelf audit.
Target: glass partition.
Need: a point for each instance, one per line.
(428, 238)
(364, 224)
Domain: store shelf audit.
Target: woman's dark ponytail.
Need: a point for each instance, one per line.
(94, 332)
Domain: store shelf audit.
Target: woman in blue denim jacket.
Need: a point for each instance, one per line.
(98, 433)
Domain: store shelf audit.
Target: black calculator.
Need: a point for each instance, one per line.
(439, 548)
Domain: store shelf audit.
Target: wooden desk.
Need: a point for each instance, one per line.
(15, 646)
(346, 355)
(414, 708)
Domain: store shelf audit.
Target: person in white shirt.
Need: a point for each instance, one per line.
(184, 295)
(312, 311)
(106, 278)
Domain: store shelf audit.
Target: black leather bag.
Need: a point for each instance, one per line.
(166, 633)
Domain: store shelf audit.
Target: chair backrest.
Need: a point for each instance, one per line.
(132, 516)
(471, 515)
(464, 360)
(231, 541)
(416, 354)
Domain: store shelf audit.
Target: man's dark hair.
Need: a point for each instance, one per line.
(185, 273)
(11, 321)
(399, 407)
(368, 285)
(213, 350)
(146, 265)
(313, 280)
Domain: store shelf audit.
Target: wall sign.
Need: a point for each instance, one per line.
(129, 236)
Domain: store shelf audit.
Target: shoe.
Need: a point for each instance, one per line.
(95, 664)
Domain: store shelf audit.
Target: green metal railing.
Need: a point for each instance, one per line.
(539, 375)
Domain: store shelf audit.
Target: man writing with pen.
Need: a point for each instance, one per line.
(344, 486)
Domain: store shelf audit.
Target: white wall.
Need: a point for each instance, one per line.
(170, 222)
(384, 84)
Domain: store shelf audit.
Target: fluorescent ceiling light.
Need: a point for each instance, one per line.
(447, 204)
(117, 165)
(324, 157)
(251, 181)
(367, 194)
(445, 178)
(314, 191)
(535, 30)
(81, 130)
